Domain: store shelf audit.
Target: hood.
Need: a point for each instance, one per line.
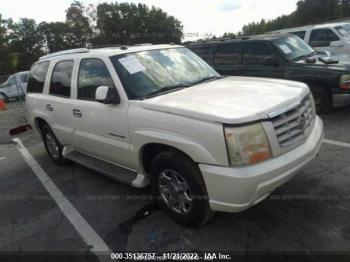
(342, 66)
(231, 100)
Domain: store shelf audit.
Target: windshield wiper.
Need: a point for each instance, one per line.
(165, 90)
(306, 56)
(206, 79)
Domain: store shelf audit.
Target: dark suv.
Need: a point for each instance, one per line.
(281, 56)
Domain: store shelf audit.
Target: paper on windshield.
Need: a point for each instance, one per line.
(132, 64)
(285, 49)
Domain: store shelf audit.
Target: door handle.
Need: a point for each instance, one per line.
(77, 113)
(49, 107)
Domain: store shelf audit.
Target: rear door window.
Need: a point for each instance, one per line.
(37, 77)
(61, 79)
(322, 37)
(255, 53)
(228, 54)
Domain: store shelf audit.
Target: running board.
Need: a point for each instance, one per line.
(105, 168)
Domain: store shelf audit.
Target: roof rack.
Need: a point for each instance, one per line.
(71, 51)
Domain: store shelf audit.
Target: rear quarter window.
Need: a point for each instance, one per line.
(37, 76)
(301, 34)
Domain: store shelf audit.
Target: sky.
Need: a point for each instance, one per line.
(200, 18)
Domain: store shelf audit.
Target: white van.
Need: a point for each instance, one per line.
(334, 38)
(15, 86)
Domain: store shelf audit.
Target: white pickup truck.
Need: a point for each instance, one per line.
(15, 86)
(160, 115)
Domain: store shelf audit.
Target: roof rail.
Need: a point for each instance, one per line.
(121, 46)
(66, 52)
(143, 44)
(104, 46)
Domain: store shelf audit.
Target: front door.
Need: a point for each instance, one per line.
(254, 58)
(99, 130)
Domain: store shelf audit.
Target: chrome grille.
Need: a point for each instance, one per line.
(293, 126)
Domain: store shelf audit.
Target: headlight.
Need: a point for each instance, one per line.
(344, 82)
(247, 145)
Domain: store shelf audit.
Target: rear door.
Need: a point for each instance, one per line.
(100, 130)
(254, 57)
(203, 51)
(228, 59)
(58, 104)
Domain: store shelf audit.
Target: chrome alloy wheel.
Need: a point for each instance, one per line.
(52, 145)
(175, 192)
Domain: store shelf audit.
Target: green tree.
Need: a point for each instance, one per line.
(79, 31)
(57, 35)
(26, 43)
(6, 61)
(307, 12)
(125, 23)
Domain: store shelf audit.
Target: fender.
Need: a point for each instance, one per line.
(196, 151)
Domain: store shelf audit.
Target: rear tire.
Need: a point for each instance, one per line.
(179, 189)
(322, 99)
(53, 147)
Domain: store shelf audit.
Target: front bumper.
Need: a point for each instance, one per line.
(340, 100)
(236, 189)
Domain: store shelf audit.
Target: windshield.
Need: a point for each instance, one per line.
(344, 30)
(151, 72)
(293, 47)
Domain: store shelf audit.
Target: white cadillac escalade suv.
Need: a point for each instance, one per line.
(160, 115)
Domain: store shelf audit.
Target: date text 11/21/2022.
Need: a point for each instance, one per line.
(176, 256)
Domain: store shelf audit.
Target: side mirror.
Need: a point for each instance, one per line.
(270, 61)
(107, 95)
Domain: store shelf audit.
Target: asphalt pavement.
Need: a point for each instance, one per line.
(308, 214)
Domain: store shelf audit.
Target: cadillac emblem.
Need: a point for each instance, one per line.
(301, 122)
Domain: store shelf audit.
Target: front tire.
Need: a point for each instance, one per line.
(179, 189)
(322, 100)
(53, 147)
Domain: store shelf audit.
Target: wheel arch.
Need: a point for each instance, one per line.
(150, 151)
(39, 123)
(149, 143)
(6, 97)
